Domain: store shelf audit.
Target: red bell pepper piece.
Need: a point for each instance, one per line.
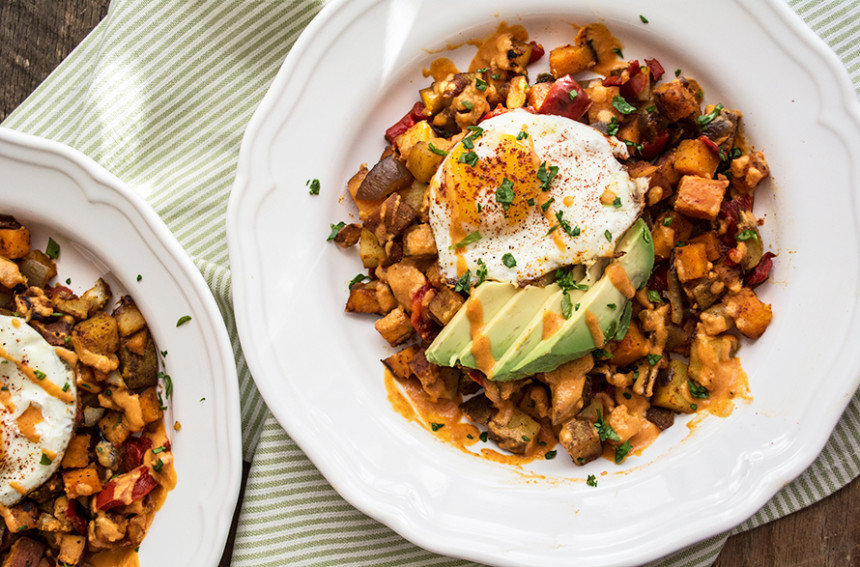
(558, 99)
(423, 327)
(651, 149)
(416, 114)
(133, 451)
(655, 68)
(659, 277)
(761, 271)
(537, 51)
(75, 517)
(613, 81)
(115, 492)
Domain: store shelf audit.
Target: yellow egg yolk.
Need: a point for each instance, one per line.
(490, 184)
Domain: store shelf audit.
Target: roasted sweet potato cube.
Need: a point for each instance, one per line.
(676, 100)
(150, 406)
(664, 240)
(632, 347)
(700, 198)
(14, 238)
(113, 427)
(537, 94)
(570, 60)
(78, 452)
(751, 315)
(519, 434)
(418, 241)
(445, 304)
(405, 280)
(71, 549)
(581, 440)
(695, 157)
(82, 482)
(712, 244)
(398, 363)
(362, 299)
(437, 381)
(394, 327)
(67, 302)
(691, 262)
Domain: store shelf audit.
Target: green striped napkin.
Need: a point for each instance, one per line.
(160, 94)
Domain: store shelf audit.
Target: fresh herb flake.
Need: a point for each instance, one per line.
(182, 320)
(591, 480)
(545, 175)
(335, 229)
(314, 185)
(508, 260)
(622, 450)
(604, 430)
(505, 193)
(52, 250)
(470, 238)
(697, 390)
(655, 296)
(653, 359)
(550, 455)
(622, 105)
(436, 150)
(706, 119)
(748, 234)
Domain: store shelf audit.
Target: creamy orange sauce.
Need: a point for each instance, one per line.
(18, 487)
(69, 356)
(27, 422)
(487, 46)
(50, 388)
(481, 347)
(6, 401)
(552, 322)
(122, 557)
(727, 382)
(440, 68)
(568, 200)
(620, 280)
(593, 325)
(607, 198)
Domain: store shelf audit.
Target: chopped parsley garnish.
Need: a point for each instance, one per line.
(357, 280)
(464, 284)
(706, 119)
(735, 153)
(522, 135)
(612, 129)
(591, 480)
(550, 455)
(608, 235)
(314, 185)
(182, 320)
(471, 238)
(159, 464)
(469, 158)
(564, 279)
(158, 450)
(572, 94)
(565, 225)
(466, 104)
(694, 407)
(677, 72)
(634, 145)
(480, 84)
(45, 460)
(651, 108)
(546, 204)
(617, 51)
(697, 390)
(483, 436)
(139, 277)
(478, 207)
(66, 387)
(603, 353)
(52, 250)
(655, 296)
(505, 193)
(39, 374)
(643, 18)
(436, 426)
(530, 201)
(668, 220)
(604, 430)
(653, 359)
(335, 229)
(622, 105)
(508, 260)
(545, 175)
(617, 203)
(168, 384)
(622, 450)
(612, 306)
(566, 305)
(436, 150)
(481, 272)
(748, 234)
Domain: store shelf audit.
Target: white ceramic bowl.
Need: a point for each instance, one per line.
(105, 230)
(356, 71)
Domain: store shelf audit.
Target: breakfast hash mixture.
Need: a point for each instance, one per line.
(85, 460)
(571, 259)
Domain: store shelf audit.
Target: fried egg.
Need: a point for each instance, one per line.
(523, 194)
(38, 404)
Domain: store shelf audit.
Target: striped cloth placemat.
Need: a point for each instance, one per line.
(160, 94)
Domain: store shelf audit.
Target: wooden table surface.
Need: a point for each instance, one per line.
(35, 35)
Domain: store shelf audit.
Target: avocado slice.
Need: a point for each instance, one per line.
(602, 299)
(532, 334)
(457, 334)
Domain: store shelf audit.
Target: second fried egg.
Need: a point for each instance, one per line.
(524, 194)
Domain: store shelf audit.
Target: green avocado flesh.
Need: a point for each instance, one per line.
(513, 318)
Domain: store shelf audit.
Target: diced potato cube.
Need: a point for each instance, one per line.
(394, 327)
(751, 315)
(14, 238)
(519, 435)
(570, 60)
(712, 244)
(77, 453)
(664, 240)
(632, 347)
(676, 100)
(537, 93)
(398, 363)
(671, 391)
(422, 161)
(691, 262)
(369, 250)
(694, 157)
(113, 428)
(418, 132)
(445, 305)
(71, 549)
(700, 198)
(517, 90)
(150, 406)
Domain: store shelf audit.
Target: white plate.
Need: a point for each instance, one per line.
(355, 72)
(106, 230)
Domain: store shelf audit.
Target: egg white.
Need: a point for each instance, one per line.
(21, 459)
(588, 166)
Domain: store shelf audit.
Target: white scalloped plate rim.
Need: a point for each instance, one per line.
(107, 230)
(678, 492)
